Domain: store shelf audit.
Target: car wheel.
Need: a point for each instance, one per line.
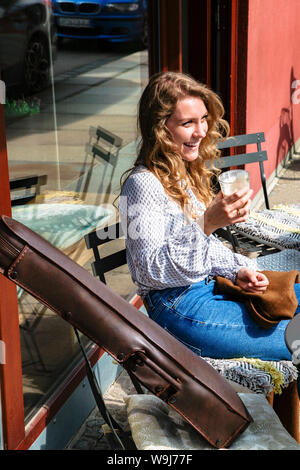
(36, 66)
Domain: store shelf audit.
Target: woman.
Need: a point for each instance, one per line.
(169, 211)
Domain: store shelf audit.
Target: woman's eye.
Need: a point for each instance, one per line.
(187, 123)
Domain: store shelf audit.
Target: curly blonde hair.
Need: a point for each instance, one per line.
(158, 151)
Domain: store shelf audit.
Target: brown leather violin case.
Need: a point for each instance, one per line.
(156, 359)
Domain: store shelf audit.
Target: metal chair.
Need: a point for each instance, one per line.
(240, 159)
(104, 147)
(242, 232)
(98, 238)
(27, 188)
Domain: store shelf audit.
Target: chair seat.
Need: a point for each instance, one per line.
(285, 260)
(156, 426)
(278, 227)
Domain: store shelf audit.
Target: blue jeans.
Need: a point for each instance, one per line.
(213, 326)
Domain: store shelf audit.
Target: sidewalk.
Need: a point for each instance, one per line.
(91, 436)
(287, 185)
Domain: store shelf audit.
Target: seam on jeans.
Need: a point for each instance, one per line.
(207, 323)
(182, 294)
(175, 312)
(157, 310)
(226, 325)
(190, 346)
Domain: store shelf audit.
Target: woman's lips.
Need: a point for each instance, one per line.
(191, 144)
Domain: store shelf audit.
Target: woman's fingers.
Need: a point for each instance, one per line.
(239, 205)
(241, 214)
(252, 281)
(262, 278)
(232, 203)
(227, 210)
(239, 198)
(254, 290)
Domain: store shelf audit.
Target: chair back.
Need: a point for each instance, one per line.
(106, 144)
(26, 188)
(97, 238)
(259, 156)
(102, 149)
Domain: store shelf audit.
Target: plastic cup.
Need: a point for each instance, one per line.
(233, 180)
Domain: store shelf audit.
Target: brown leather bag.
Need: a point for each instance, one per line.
(271, 306)
(157, 360)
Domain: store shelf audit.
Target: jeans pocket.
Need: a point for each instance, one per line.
(177, 296)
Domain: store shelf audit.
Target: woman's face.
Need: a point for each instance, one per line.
(188, 126)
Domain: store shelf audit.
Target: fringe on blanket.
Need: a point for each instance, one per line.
(256, 375)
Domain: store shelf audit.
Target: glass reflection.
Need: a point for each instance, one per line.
(71, 133)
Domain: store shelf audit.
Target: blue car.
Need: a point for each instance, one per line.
(113, 21)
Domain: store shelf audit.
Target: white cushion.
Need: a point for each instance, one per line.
(62, 224)
(156, 426)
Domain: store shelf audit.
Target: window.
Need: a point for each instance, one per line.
(70, 118)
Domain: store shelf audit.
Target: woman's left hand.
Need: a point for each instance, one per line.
(251, 281)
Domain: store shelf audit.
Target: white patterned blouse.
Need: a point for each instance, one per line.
(164, 247)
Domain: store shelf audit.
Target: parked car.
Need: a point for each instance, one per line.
(111, 20)
(27, 44)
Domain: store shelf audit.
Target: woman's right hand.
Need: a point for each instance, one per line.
(227, 210)
(252, 281)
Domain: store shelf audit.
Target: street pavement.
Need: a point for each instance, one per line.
(53, 141)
